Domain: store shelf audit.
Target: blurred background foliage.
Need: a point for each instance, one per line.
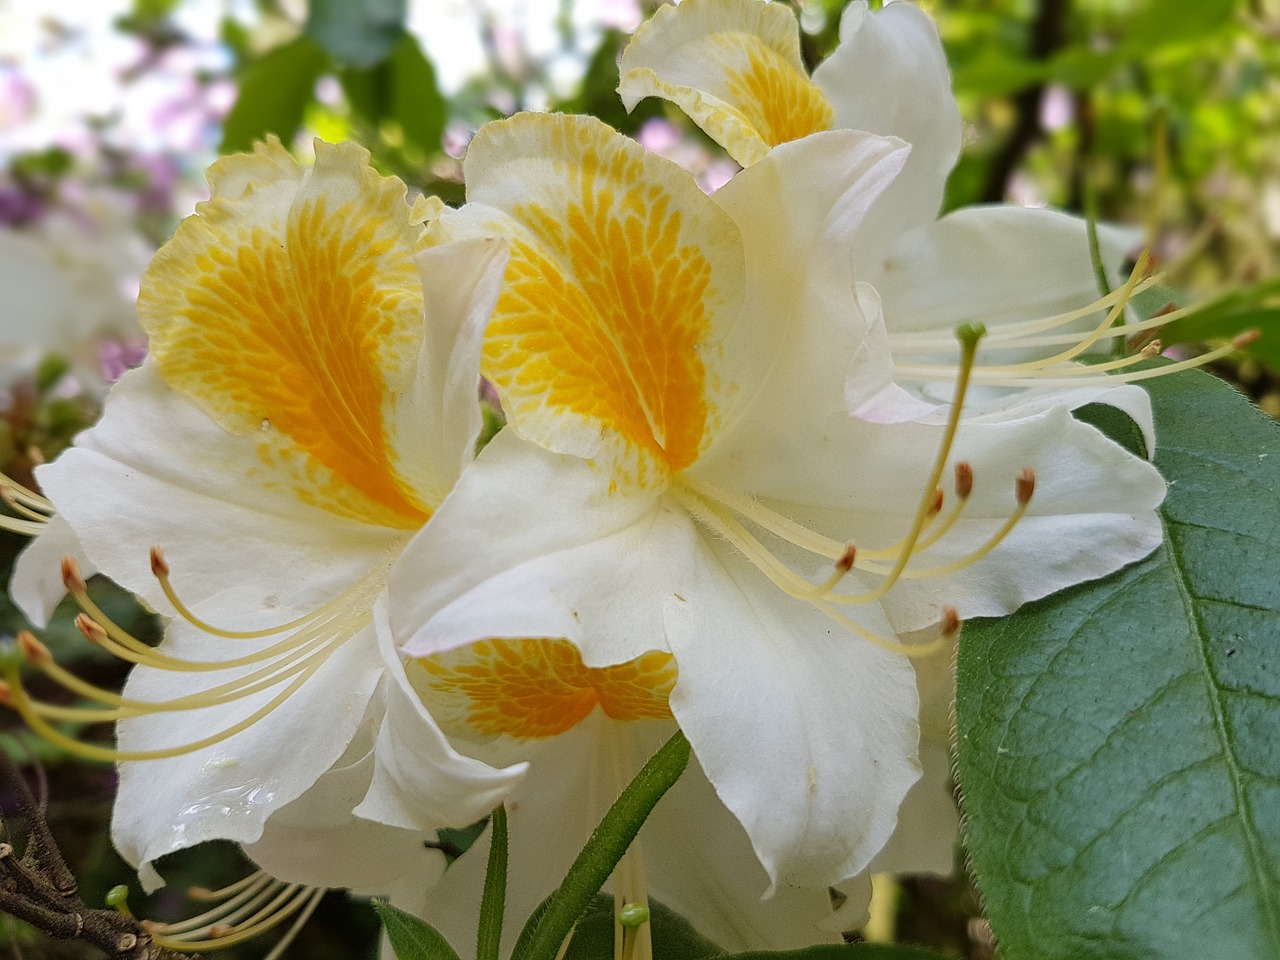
(1163, 114)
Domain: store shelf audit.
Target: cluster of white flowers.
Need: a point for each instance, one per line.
(722, 501)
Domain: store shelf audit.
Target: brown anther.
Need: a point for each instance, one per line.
(79, 926)
(35, 651)
(1152, 349)
(6, 700)
(71, 577)
(153, 926)
(935, 508)
(950, 625)
(127, 942)
(8, 494)
(1242, 340)
(1025, 486)
(159, 566)
(221, 930)
(845, 563)
(6, 850)
(199, 893)
(93, 631)
(964, 479)
(35, 455)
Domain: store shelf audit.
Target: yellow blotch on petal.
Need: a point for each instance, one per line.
(291, 305)
(781, 103)
(608, 308)
(532, 689)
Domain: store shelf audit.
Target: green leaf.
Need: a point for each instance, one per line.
(493, 901)
(416, 101)
(402, 89)
(274, 92)
(1119, 747)
(547, 929)
(357, 32)
(843, 951)
(674, 937)
(412, 938)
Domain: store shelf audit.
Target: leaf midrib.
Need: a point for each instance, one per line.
(1269, 908)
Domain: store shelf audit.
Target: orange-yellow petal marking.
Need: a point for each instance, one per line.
(621, 280)
(291, 305)
(530, 689)
(734, 67)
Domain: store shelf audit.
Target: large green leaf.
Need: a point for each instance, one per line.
(1119, 743)
(412, 938)
(274, 92)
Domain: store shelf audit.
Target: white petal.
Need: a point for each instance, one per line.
(807, 733)
(37, 586)
(437, 425)
(800, 210)
(997, 264)
(696, 857)
(594, 568)
(315, 840)
(228, 790)
(929, 820)
(245, 551)
(1093, 510)
(419, 780)
(889, 76)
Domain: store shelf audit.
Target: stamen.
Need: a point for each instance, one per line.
(251, 906)
(160, 568)
(1060, 368)
(286, 664)
(15, 503)
(1024, 489)
(22, 703)
(714, 508)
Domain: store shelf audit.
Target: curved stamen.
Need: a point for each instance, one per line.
(22, 703)
(252, 906)
(160, 569)
(122, 707)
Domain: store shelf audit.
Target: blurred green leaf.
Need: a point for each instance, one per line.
(674, 937)
(416, 102)
(412, 938)
(1119, 748)
(402, 89)
(357, 32)
(274, 93)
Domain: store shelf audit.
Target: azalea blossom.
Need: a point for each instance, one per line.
(1027, 275)
(685, 508)
(734, 67)
(296, 422)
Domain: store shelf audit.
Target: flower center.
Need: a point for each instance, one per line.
(533, 689)
(724, 512)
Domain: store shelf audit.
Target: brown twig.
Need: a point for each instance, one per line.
(39, 888)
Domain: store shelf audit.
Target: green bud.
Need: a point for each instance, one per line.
(633, 914)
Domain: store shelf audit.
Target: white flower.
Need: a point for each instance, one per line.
(679, 496)
(297, 421)
(734, 67)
